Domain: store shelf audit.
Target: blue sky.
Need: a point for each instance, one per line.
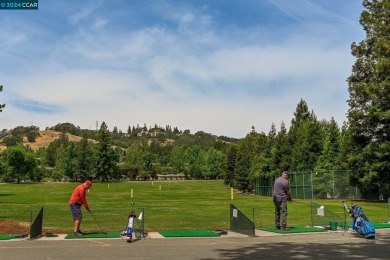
(218, 66)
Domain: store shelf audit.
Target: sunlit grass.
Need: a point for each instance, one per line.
(167, 205)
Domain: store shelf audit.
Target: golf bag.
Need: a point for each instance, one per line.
(360, 224)
(130, 225)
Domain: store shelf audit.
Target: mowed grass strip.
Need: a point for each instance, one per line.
(176, 205)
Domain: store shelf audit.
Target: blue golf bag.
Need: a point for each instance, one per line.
(360, 224)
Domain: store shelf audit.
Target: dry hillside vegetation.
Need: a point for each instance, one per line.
(44, 139)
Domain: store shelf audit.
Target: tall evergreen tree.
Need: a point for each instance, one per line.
(281, 155)
(369, 102)
(52, 150)
(230, 165)
(324, 181)
(69, 162)
(246, 148)
(104, 158)
(345, 148)
(306, 139)
(85, 160)
(328, 158)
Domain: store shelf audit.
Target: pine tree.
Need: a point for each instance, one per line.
(328, 158)
(306, 139)
(104, 158)
(230, 165)
(369, 103)
(85, 159)
(281, 152)
(245, 151)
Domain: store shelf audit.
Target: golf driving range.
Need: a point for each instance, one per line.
(168, 206)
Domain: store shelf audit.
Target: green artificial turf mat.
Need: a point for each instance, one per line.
(294, 230)
(189, 233)
(95, 235)
(11, 236)
(6, 236)
(381, 225)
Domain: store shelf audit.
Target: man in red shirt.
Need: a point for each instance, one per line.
(78, 199)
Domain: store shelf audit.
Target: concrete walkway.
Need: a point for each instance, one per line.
(265, 245)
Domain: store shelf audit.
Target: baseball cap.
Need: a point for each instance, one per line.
(89, 183)
(287, 173)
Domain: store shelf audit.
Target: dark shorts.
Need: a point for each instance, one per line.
(76, 211)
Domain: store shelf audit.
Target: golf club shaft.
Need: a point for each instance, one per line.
(96, 222)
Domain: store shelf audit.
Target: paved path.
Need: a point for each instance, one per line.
(327, 245)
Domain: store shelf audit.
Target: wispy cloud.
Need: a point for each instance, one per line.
(32, 106)
(216, 66)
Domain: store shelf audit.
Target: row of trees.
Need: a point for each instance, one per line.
(79, 160)
(309, 144)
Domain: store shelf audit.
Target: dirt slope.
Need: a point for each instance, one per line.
(44, 139)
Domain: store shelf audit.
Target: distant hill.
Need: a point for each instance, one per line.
(139, 135)
(43, 139)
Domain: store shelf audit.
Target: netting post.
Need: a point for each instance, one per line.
(254, 225)
(311, 185)
(334, 192)
(388, 204)
(303, 186)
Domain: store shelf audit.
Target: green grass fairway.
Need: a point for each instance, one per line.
(189, 233)
(168, 205)
(294, 230)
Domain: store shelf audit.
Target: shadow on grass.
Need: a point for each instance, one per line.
(7, 194)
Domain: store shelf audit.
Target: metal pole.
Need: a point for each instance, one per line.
(388, 203)
(143, 222)
(334, 193)
(311, 180)
(254, 218)
(303, 186)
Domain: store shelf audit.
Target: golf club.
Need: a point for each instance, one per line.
(97, 222)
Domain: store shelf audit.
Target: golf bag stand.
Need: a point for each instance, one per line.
(360, 223)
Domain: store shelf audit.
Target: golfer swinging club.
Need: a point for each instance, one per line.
(280, 196)
(78, 199)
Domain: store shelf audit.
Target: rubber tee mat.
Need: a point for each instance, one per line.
(6, 236)
(11, 236)
(294, 230)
